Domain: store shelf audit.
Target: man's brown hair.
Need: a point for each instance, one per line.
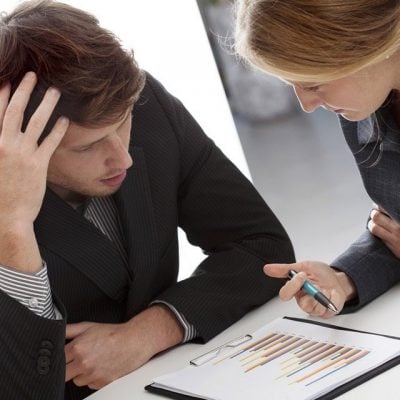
(68, 49)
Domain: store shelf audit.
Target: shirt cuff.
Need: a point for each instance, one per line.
(190, 330)
(31, 290)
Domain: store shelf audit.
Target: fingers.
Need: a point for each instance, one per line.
(386, 229)
(54, 138)
(96, 385)
(282, 270)
(75, 372)
(379, 231)
(15, 111)
(73, 330)
(82, 374)
(91, 382)
(12, 113)
(292, 287)
(383, 227)
(71, 370)
(381, 218)
(42, 114)
(312, 307)
(69, 352)
(316, 272)
(278, 270)
(5, 91)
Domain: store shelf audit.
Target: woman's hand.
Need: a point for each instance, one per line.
(386, 229)
(335, 285)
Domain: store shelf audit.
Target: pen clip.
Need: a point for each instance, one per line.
(210, 355)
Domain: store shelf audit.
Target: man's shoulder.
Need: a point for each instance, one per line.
(158, 111)
(155, 93)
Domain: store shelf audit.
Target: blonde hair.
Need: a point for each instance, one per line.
(316, 40)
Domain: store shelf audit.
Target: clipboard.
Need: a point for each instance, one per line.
(337, 391)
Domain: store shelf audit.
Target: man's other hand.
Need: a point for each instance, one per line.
(98, 354)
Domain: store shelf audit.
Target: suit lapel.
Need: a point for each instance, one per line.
(68, 234)
(135, 205)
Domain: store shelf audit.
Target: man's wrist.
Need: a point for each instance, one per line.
(160, 326)
(19, 249)
(173, 328)
(15, 223)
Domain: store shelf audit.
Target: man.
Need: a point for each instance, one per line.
(98, 168)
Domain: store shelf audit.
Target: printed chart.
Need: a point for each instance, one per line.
(283, 360)
(301, 360)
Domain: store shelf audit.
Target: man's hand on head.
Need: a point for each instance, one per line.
(23, 170)
(23, 164)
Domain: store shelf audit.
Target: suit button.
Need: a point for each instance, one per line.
(44, 352)
(43, 361)
(43, 364)
(43, 370)
(33, 302)
(47, 344)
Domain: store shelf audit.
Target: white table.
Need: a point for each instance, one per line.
(380, 316)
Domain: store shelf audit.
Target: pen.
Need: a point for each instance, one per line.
(310, 289)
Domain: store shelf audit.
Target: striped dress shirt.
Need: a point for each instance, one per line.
(33, 290)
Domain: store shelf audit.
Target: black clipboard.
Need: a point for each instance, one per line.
(338, 391)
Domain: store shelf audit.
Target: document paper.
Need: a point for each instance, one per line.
(285, 360)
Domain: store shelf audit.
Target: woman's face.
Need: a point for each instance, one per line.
(355, 96)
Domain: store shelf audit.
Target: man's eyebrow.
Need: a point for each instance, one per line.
(99, 140)
(87, 144)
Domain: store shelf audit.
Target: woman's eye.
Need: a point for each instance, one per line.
(312, 88)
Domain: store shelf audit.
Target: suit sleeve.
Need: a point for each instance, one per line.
(371, 266)
(32, 353)
(368, 262)
(221, 212)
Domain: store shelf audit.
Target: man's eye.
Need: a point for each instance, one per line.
(84, 149)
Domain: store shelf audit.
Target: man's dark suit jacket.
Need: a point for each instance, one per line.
(178, 178)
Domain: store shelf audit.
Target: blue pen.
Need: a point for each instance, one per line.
(310, 289)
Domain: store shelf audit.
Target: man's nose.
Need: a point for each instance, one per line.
(308, 100)
(119, 157)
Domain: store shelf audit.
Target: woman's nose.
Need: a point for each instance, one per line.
(308, 100)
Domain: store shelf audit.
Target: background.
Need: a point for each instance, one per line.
(299, 162)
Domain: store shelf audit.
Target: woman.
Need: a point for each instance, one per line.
(343, 56)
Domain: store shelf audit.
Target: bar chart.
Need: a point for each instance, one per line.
(285, 359)
(300, 360)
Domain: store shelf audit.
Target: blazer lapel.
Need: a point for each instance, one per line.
(69, 235)
(135, 205)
